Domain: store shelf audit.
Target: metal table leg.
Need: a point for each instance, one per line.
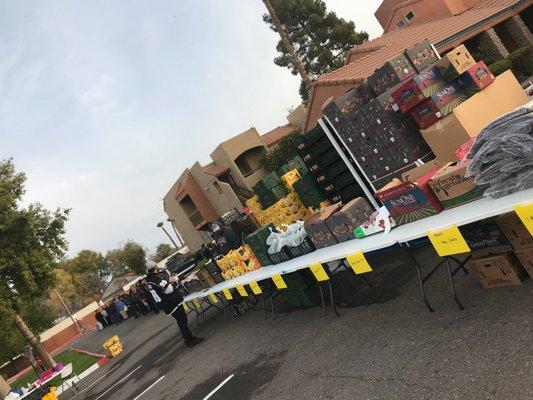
(452, 283)
(419, 275)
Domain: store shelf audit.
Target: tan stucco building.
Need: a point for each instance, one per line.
(204, 193)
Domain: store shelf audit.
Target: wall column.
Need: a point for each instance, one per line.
(491, 39)
(519, 31)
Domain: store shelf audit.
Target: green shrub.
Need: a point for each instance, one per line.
(500, 66)
(522, 62)
(285, 150)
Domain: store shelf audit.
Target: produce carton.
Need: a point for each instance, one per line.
(350, 216)
(426, 114)
(452, 188)
(449, 97)
(497, 271)
(515, 231)
(429, 81)
(411, 201)
(421, 55)
(390, 74)
(318, 231)
(454, 63)
(407, 95)
(476, 78)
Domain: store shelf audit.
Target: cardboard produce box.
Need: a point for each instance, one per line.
(421, 55)
(454, 63)
(318, 231)
(407, 95)
(350, 216)
(413, 199)
(485, 237)
(390, 74)
(515, 231)
(426, 114)
(526, 259)
(429, 81)
(452, 188)
(477, 77)
(497, 271)
(469, 118)
(449, 97)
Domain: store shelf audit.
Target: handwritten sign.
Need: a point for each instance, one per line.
(358, 263)
(213, 298)
(525, 212)
(279, 282)
(448, 242)
(197, 304)
(256, 289)
(242, 291)
(227, 294)
(319, 272)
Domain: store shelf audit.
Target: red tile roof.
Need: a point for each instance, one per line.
(445, 33)
(215, 169)
(276, 134)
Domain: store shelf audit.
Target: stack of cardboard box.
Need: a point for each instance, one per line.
(502, 251)
(467, 120)
(383, 140)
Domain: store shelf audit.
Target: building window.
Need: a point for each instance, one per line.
(191, 211)
(409, 16)
(400, 24)
(244, 166)
(218, 187)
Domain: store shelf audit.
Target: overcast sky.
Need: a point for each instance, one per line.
(103, 103)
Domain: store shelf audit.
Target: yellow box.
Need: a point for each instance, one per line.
(290, 177)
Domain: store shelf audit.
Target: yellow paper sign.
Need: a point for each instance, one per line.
(197, 304)
(319, 272)
(358, 263)
(185, 306)
(448, 242)
(525, 212)
(242, 290)
(213, 298)
(227, 294)
(279, 282)
(255, 288)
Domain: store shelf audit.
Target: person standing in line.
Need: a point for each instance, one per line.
(164, 291)
(121, 308)
(106, 316)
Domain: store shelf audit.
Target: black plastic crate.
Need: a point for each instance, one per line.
(280, 256)
(344, 180)
(320, 147)
(304, 248)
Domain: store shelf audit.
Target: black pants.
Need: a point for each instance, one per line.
(181, 318)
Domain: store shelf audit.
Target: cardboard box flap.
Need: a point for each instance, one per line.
(415, 173)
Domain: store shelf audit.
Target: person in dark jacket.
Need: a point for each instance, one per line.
(164, 291)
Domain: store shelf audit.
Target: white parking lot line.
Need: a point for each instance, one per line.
(218, 387)
(97, 380)
(149, 387)
(123, 379)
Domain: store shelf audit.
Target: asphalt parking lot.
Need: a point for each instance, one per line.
(394, 349)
